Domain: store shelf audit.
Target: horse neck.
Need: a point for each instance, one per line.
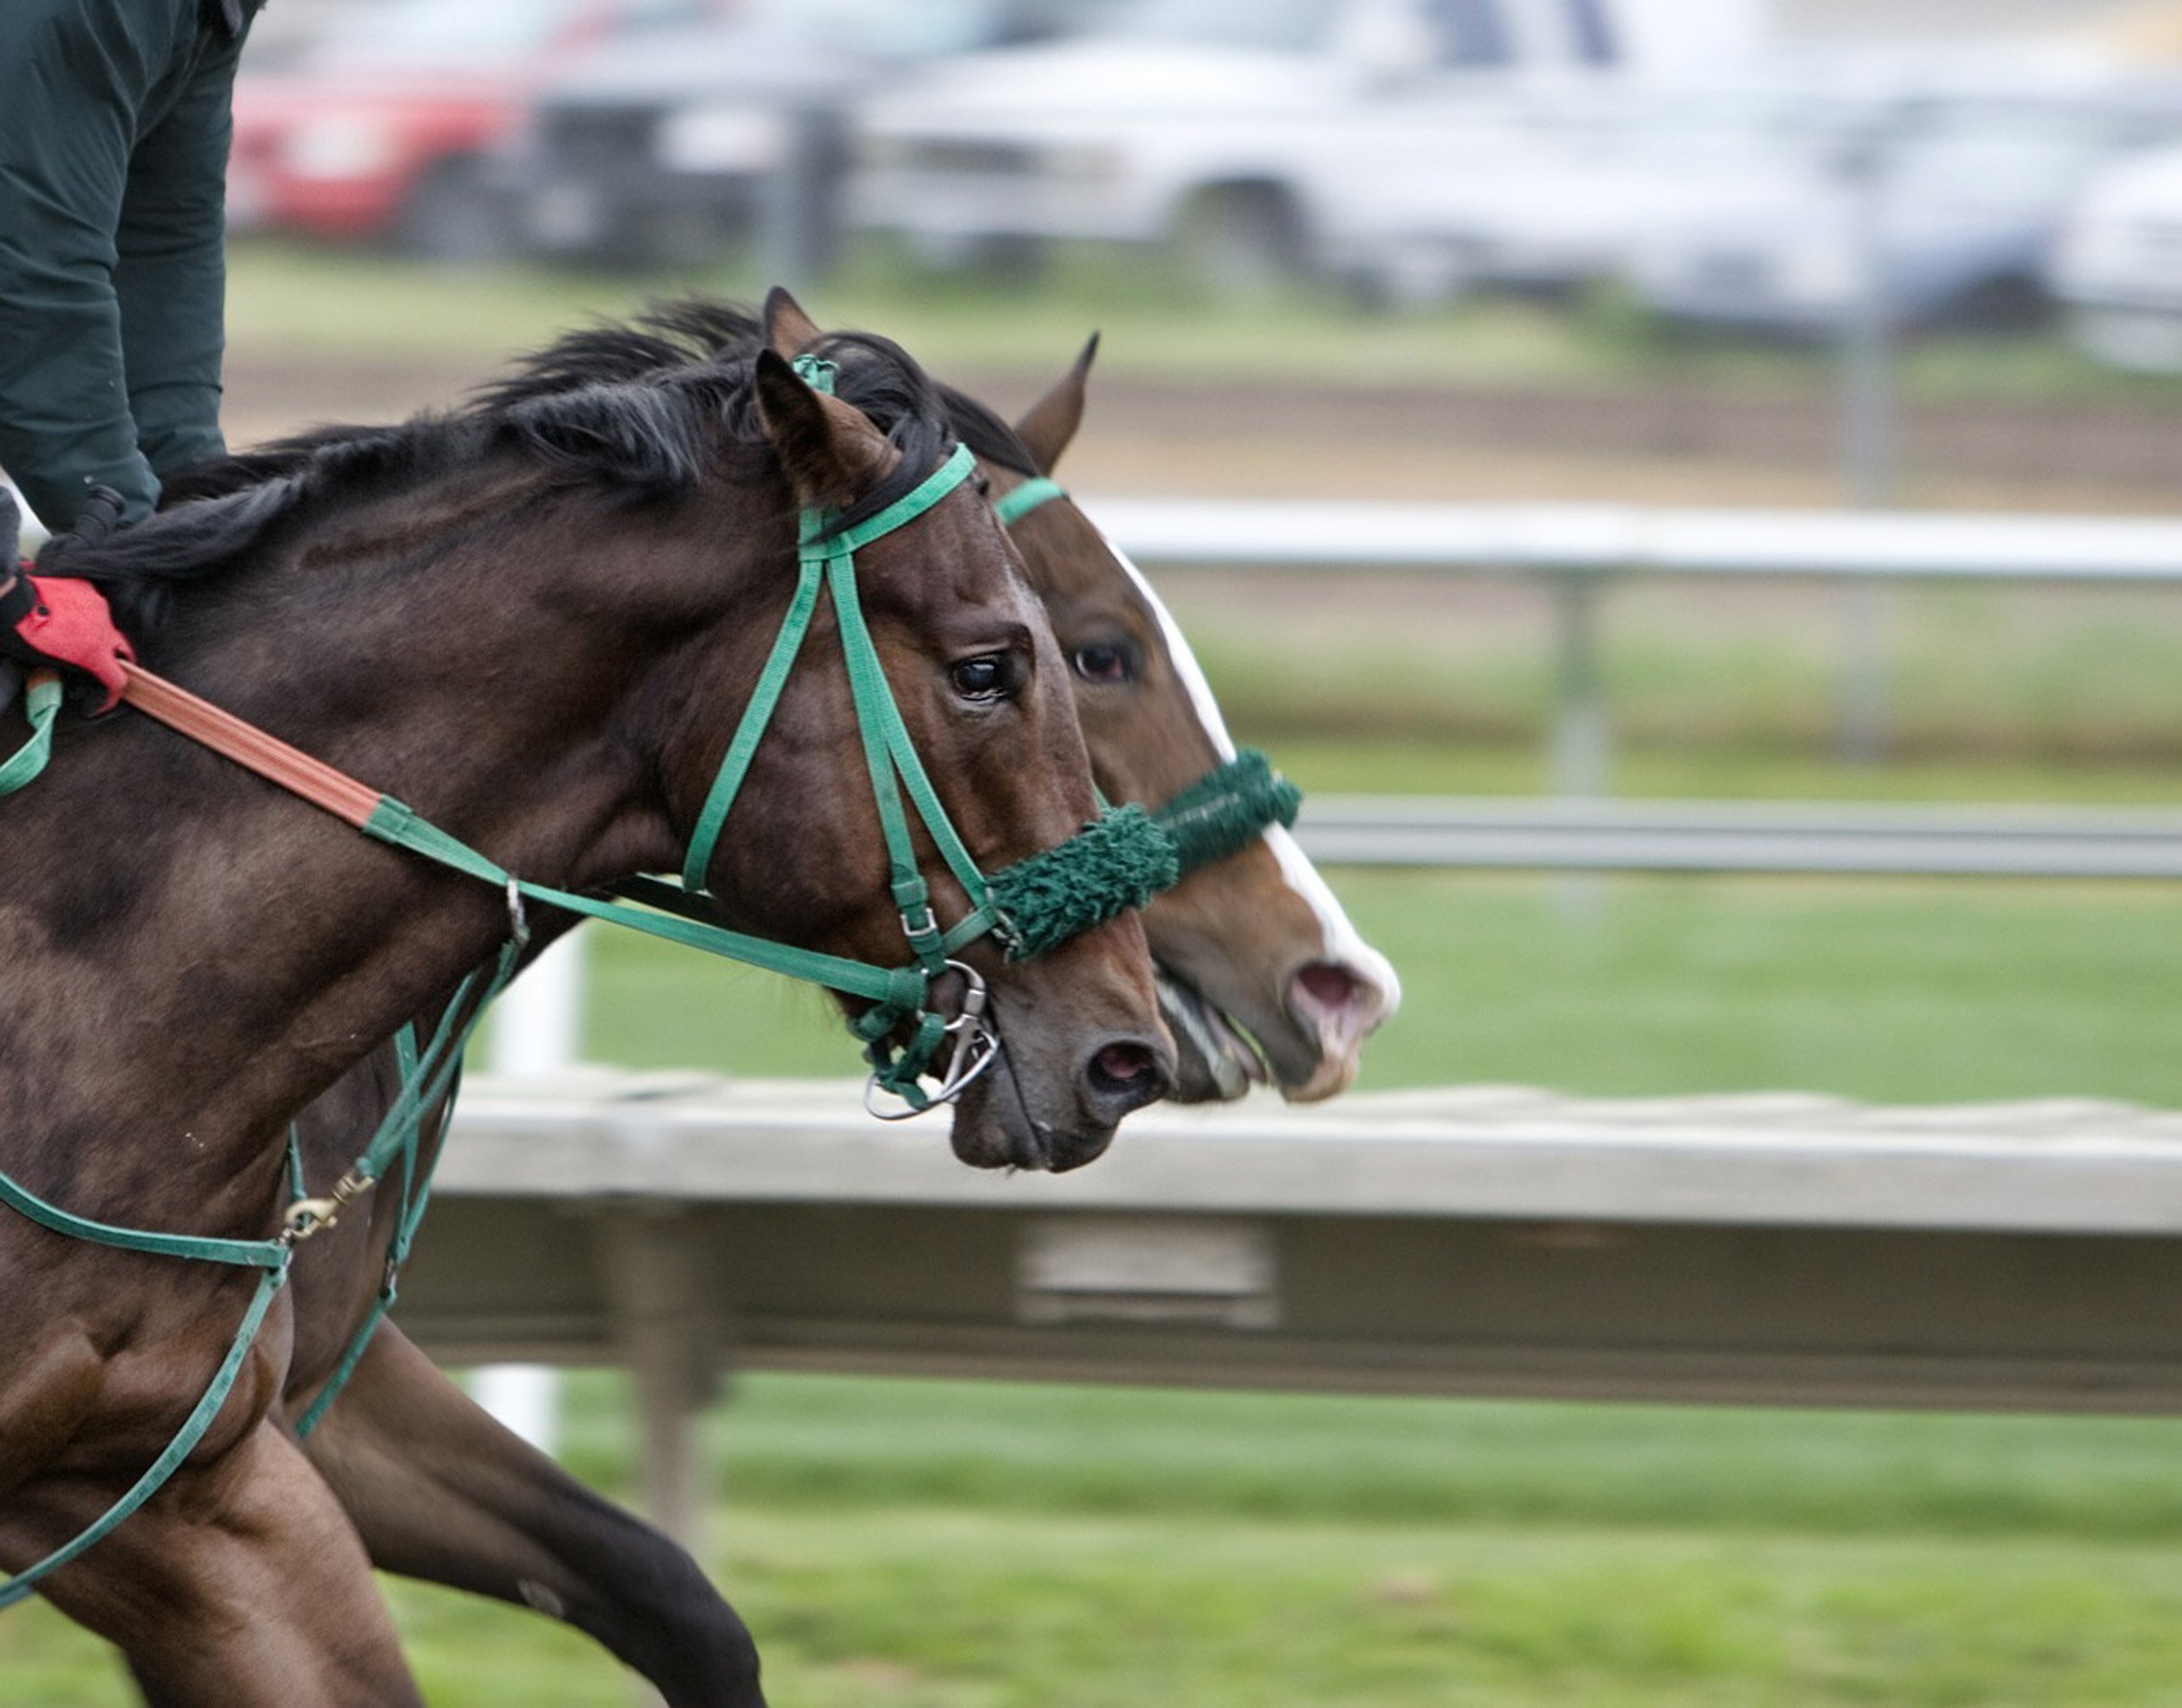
(194, 955)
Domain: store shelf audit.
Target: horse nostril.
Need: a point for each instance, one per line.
(1337, 1004)
(1329, 986)
(1127, 1075)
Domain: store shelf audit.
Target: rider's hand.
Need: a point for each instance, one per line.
(58, 620)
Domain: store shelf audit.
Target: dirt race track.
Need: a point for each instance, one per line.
(1662, 443)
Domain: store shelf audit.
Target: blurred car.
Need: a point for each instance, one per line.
(1232, 129)
(1538, 196)
(2117, 267)
(1954, 206)
(663, 148)
(377, 130)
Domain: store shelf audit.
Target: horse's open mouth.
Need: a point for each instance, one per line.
(1216, 1050)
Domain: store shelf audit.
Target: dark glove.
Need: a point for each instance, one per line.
(58, 620)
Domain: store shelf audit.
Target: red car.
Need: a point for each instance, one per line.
(381, 131)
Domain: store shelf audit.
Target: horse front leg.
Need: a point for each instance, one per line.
(241, 1585)
(442, 1492)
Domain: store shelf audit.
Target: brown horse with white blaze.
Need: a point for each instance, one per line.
(1261, 975)
(536, 626)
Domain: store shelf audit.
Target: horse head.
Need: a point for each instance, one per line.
(1261, 973)
(983, 691)
(1261, 976)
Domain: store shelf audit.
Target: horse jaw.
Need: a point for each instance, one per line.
(1343, 995)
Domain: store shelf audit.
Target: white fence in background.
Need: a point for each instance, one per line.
(1606, 540)
(1579, 550)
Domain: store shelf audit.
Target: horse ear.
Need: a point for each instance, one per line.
(1051, 421)
(830, 451)
(789, 331)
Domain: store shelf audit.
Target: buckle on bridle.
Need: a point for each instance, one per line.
(977, 1046)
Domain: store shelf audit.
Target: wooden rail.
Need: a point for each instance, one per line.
(1779, 1249)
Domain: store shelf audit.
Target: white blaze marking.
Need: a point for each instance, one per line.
(1342, 942)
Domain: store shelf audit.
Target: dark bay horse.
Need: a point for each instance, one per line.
(439, 1490)
(535, 623)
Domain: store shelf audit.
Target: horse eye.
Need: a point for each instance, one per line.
(984, 678)
(1102, 664)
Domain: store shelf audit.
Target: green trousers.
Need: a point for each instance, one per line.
(113, 131)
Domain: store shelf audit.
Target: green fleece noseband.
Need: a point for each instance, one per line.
(1224, 810)
(1115, 863)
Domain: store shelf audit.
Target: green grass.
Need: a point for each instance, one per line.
(1907, 991)
(1154, 319)
(1748, 679)
(950, 1544)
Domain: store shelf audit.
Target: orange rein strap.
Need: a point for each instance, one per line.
(250, 746)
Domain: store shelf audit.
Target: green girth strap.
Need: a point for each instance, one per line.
(41, 701)
(416, 1193)
(246, 1253)
(268, 1255)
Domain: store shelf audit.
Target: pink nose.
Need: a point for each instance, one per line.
(1339, 1004)
(1329, 986)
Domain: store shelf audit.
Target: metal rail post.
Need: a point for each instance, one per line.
(1582, 737)
(537, 1028)
(1868, 446)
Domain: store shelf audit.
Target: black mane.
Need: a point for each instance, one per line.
(635, 411)
(694, 330)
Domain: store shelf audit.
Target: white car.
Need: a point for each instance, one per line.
(1236, 129)
(1549, 191)
(1962, 201)
(2118, 266)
